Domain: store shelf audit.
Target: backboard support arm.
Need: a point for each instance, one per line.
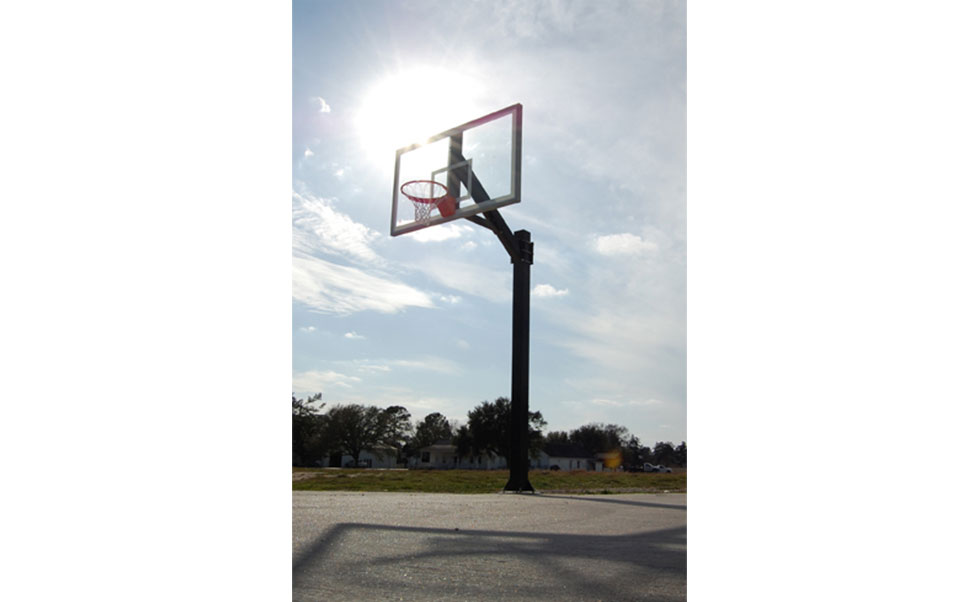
(491, 219)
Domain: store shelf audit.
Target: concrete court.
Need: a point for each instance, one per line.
(499, 547)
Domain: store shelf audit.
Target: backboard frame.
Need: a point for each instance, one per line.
(482, 202)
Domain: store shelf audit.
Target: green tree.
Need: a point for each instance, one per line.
(488, 431)
(463, 440)
(635, 453)
(663, 453)
(396, 426)
(557, 437)
(309, 443)
(599, 438)
(353, 428)
(432, 428)
(680, 455)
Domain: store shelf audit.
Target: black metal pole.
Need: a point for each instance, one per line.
(522, 260)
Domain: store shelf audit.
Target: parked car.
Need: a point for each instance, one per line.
(647, 467)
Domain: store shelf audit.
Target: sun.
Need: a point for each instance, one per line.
(411, 105)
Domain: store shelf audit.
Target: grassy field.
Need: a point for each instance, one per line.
(483, 481)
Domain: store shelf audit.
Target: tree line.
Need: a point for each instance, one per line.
(349, 429)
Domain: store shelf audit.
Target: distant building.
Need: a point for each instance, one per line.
(443, 454)
(566, 456)
(382, 456)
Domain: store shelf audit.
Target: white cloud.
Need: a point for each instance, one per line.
(353, 335)
(451, 299)
(629, 323)
(534, 20)
(322, 104)
(334, 289)
(470, 278)
(623, 244)
(607, 402)
(372, 368)
(364, 366)
(462, 344)
(627, 403)
(440, 233)
(320, 380)
(546, 290)
(468, 245)
(307, 153)
(307, 328)
(645, 135)
(319, 227)
(429, 362)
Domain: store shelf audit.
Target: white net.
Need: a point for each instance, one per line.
(425, 195)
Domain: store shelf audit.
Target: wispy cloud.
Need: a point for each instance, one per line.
(334, 289)
(318, 227)
(546, 290)
(361, 366)
(628, 321)
(643, 136)
(307, 153)
(427, 363)
(353, 335)
(626, 403)
(623, 244)
(442, 232)
(371, 368)
(431, 363)
(467, 277)
(536, 20)
(307, 329)
(317, 381)
(328, 287)
(321, 105)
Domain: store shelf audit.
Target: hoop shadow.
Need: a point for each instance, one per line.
(656, 560)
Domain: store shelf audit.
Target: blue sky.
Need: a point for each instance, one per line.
(424, 320)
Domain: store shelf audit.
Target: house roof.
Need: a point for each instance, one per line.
(566, 450)
(442, 445)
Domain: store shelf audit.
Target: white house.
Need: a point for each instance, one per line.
(443, 454)
(567, 456)
(377, 457)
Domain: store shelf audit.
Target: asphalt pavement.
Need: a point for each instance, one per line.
(490, 547)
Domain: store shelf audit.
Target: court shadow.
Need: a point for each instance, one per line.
(377, 559)
(605, 500)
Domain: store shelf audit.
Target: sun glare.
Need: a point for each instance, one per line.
(411, 105)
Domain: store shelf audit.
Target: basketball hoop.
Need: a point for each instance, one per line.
(426, 195)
